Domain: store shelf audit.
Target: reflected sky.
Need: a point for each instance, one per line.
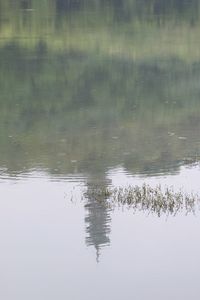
(46, 228)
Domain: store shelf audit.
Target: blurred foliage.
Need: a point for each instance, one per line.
(133, 29)
(97, 112)
(89, 85)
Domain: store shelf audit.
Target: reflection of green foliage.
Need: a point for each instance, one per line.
(99, 84)
(131, 29)
(96, 111)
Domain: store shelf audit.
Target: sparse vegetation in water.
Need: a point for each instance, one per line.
(158, 200)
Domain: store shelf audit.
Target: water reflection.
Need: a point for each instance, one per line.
(87, 87)
(96, 94)
(148, 200)
(96, 114)
(98, 219)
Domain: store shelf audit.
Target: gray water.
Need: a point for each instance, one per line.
(96, 95)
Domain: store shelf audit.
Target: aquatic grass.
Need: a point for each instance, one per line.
(154, 200)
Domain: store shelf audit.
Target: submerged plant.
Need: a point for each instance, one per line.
(145, 198)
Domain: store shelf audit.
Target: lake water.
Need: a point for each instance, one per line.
(97, 94)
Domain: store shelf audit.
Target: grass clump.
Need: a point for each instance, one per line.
(147, 199)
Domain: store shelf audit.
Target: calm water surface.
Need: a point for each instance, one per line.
(97, 95)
